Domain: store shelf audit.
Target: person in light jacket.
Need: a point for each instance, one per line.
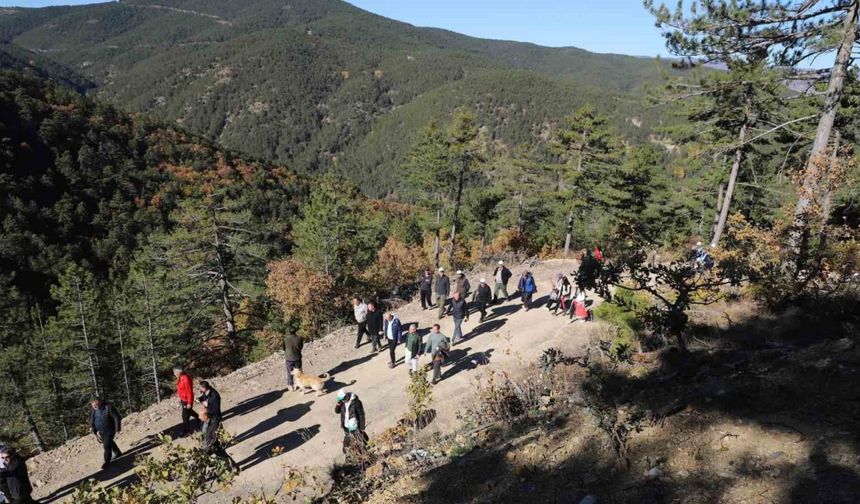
(359, 311)
(392, 330)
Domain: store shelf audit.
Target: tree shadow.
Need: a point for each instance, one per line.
(343, 366)
(279, 445)
(469, 361)
(487, 327)
(253, 404)
(290, 414)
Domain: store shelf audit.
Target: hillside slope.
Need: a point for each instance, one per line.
(306, 82)
(265, 419)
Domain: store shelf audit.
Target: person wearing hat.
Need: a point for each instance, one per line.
(462, 285)
(501, 275)
(14, 478)
(443, 289)
(352, 419)
(482, 298)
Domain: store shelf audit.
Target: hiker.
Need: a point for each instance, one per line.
(425, 288)
(443, 289)
(105, 423)
(185, 391)
(210, 399)
(459, 312)
(527, 288)
(352, 421)
(553, 301)
(14, 479)
(359, 310)
(578, 310)
(393, 332)
(501, 275)
(413, 348)
(374, 325)
(211, 443)
(598, 255)
(564, 296)
(462, 285)
(293, 345)
(482, 298)
(437, 346)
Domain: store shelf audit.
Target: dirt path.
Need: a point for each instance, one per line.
(303, 428)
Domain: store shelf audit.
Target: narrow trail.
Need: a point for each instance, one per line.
(302, 428)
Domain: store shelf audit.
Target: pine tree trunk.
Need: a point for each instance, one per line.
(129, 402)
(151, 338)
(720, 194)
(457, 203)
(833, 95)
(55, 384)
(224, 298)
(438, 243)
(86, 338)
(730, 189)
(25, 411)
(569, 233)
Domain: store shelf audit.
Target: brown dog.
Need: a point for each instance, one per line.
(305, 381)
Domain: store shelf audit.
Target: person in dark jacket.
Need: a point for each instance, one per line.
(425, 288)
(211, 444)
(352, 419)
(483, 297)
(393, 331)
(501, 275)
(293, 356)
(414, 346)
(443, 290)
(462, 285)
(210, 399)
(14, 479)
(460, 313)
(374, 325)
(106, 423)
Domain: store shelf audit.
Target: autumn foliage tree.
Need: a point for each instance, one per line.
(308, 298)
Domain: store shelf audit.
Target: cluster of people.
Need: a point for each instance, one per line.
(569, 299)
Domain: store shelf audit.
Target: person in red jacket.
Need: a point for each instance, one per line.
(185, 391)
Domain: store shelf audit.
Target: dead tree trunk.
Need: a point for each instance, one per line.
(151, 338)
(91, 359)
(719, 209)
(569, 233)
(833, 95)
(730, 189)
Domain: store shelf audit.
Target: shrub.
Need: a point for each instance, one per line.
(621, 315)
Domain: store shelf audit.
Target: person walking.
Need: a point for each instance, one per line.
(462, 285)
(425, 288)
(293, 345)
(555, 295)
(459, 312)
(359, 310)
(528, 288)
(185, 391)
(483, 297)
(210, 399)
(413, 348)
(374, 325)
(211, 443)
(105, 423)
(501, 275)
(443, 289)
(437, 346)
(14, 478)
(393, 331)
(352, 420)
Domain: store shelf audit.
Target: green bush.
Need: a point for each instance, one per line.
(621, 313)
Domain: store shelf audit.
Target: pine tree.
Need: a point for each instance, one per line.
(464, 145)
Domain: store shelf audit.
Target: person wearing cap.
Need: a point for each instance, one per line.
(443, 289)
(459, 312)
(501, 275)
(425, 288)
(14, 478)
(462, 285)
(482, 298)
(352, 419)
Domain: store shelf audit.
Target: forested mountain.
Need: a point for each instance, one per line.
(318, 84)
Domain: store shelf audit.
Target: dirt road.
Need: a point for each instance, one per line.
(302, 429)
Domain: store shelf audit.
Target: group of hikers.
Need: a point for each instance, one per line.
(450, 298)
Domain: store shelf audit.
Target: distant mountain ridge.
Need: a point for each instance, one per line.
(310, 82)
